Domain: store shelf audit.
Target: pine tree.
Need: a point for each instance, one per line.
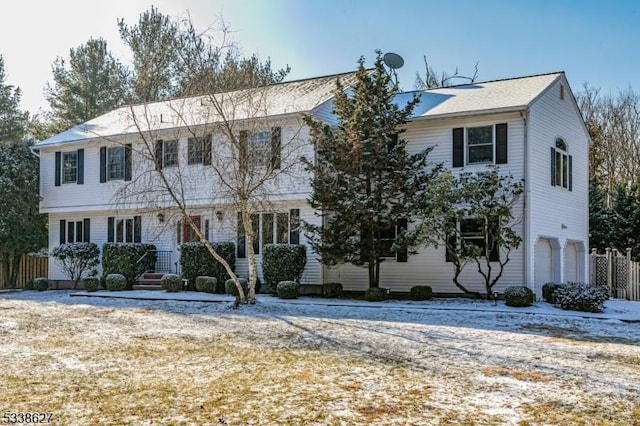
(12, 120)
(365, 183)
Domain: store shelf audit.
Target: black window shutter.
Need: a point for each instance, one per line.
(570, 173)
(458, 147)
(206, 150)
(494, 254)
(137, 229)
(402, 255)
(243, 149)
(58, 169)
(241, 249)
(86, 234)
(501, 143)
(553, 166)
(294, 226)
(80, 177)
(103, 164)
(255, 224)
(451, 240)
(111, 230)
(159, 155)
(127, 162)
(276, 142)
(63, 231)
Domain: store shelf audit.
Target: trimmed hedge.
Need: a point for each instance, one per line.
(40, 284)
(375, 294)
(115, 282)
(171, 283)
(283, 262)
(288, 290)
(231, 289)
(196, 261)
(518, 296)
(421, 292)
(332, 290)
(91, 284)
(122, 258)
(206, 284)
(581, 297)
(548, 290)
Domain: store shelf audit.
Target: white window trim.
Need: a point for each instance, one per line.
(64, 167)
(466, 145)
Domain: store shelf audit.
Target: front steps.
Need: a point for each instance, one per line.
(149, 281)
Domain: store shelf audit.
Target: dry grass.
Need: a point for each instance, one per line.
(117, 366)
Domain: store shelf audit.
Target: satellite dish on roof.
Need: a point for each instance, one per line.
(393, 60)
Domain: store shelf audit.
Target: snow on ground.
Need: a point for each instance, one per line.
(449, 361)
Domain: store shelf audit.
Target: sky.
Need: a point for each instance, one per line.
(593, 42)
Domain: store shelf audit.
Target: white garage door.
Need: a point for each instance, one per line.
(543, 265)
(571, 263)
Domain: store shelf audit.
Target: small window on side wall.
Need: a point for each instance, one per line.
(561, 165)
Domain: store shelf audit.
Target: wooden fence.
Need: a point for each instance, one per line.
(30, 267)
(617, 271)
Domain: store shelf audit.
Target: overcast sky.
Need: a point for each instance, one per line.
(592, 41)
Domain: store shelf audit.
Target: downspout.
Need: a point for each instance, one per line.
(526, 271)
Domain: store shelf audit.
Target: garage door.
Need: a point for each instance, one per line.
(571, 263)
(543, 265)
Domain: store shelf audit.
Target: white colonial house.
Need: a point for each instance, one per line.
(528, 126)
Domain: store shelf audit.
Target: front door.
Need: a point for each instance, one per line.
(188, 233)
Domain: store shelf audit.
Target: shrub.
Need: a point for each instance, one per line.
(376, 294)
(29, 285)
(283, 262)
(288, 289)
(206, 284)
(115, 282)
(171, 283)
(124, 258)
(420, 292)
(231, 289)
(77, 260)
(581, 297)
(91, 284)
(196, 261)
(40, 284)
(518, 296)
(332, 290)
(547, 291)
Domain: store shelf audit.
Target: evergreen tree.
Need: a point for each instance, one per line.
(12, 120)
(364, 182)
(92, 83)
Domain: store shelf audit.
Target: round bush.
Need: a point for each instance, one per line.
(548, 290)
(581, 297)
(231, 289)
(375, 294)
(91, 284)
(115, 282)
(171, 283)
(40, 284)
(288, 290)
(518, 296)
(206, 284)
(332, 290)
(420, 292)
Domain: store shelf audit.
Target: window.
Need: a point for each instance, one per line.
(262, 148)
(385, 240)
(199, 150)
(115, 163)
(480, 145)
(170, 153)
(476, 232)
(75, 231)
(70, 167)
(561, 165)
(124, 230)
(282, 228)
(472, 230)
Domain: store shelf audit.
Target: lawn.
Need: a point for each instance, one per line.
(92, 361)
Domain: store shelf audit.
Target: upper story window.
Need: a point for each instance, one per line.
(480, 145)
(115, 163)
(70, 167)
(261, 148)
(166, 153)
(199, 150)
(561, 165)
